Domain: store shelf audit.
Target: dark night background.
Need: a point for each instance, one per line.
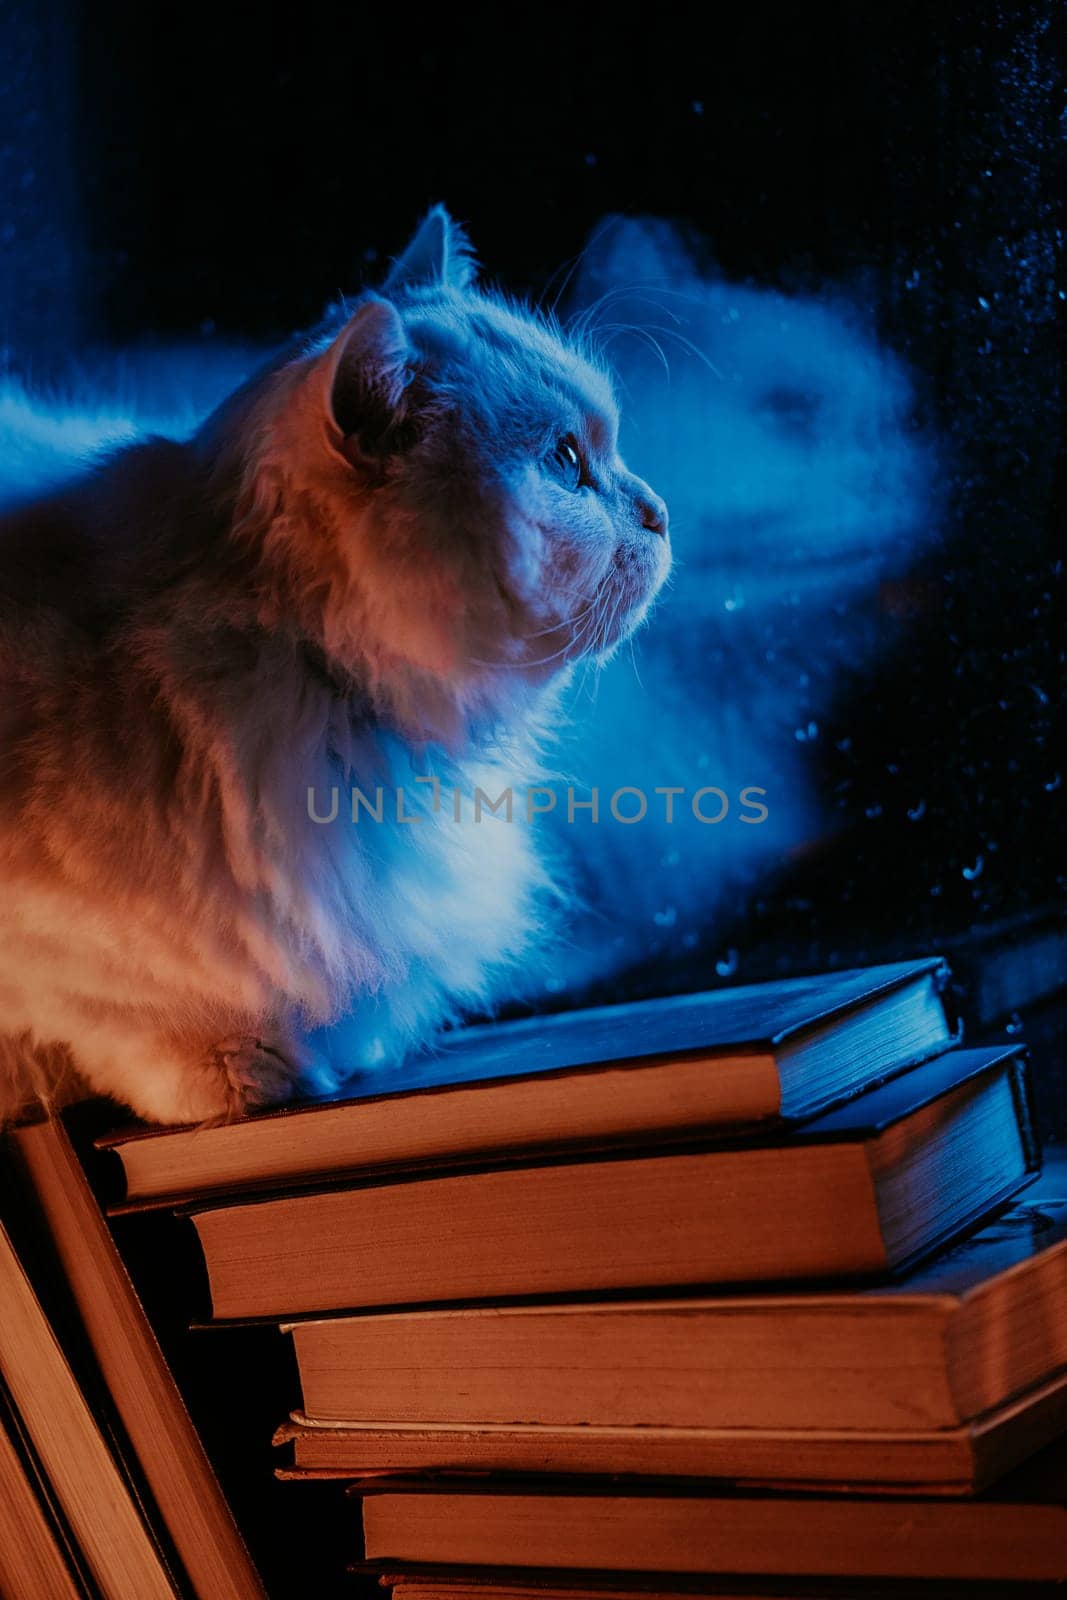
(200, 174)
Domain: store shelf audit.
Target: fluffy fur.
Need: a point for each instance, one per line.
(375, 562)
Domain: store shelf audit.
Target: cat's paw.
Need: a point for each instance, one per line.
(253, 1074)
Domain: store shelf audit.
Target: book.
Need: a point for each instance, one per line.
(470, 1583)
(1014, 1532)
(668, 1067)
(146, 1399)
(90, 1487)
(869, 1187)
(34, 1562)
(959, 1336)
(949, 1461)
(450, 1584)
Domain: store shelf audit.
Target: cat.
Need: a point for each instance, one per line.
(376, 562)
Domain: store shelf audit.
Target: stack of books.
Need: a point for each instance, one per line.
(737, 1285)
(105, 1490)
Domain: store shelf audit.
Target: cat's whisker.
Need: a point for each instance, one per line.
(599, 233)
(567, 622)
(524, 666)
(585, 322)
(579, 621)
(583, 319)
(608, 623)
(584, 680)
(581, 642)
(641, 293)
(653, 286)
(579, 324)
(573, 622)
(581, 637)
(645, 300)
(617, 328)
(614, 329)
(694, 349)
(633, 662)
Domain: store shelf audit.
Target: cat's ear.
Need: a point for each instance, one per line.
(440, 253)
(369, 368)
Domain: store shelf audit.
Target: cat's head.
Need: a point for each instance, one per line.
(437, 496)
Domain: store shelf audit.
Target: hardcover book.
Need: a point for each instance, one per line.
(1015, 1532)
(959, 1336)
(865, 1189)
(666, 1068)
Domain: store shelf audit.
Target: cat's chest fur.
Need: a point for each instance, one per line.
(404, 883)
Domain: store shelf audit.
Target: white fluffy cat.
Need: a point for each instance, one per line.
(374, 563)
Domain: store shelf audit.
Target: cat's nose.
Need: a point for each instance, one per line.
(653, 513)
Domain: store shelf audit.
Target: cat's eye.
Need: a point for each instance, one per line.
(564, 461)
